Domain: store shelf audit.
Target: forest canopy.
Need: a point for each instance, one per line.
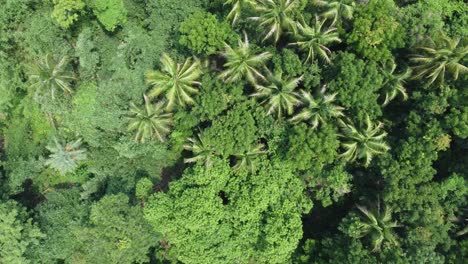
(233, 131)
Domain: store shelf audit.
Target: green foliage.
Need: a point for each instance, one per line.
(66, 12)
(336, 9)
(111, 13)
(376, 30)
(143, 188)
(202, 33)
(312, 148)
(329, 185)
(17, 234)
(357, 83)
(209, 216)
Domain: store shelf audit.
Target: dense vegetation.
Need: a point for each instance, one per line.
(233, 131)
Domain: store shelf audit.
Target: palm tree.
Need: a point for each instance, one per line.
(378, 225)
(65, 158)
(52, 74)
(314, 40)
(236, 10)
(276, 16)
(242, 62)
(149, 122)
(394, 83)
(443, 55)
(336, 9)
(176, 80)
(280, 94)
(201, 150)
(246, 160)
(318, 110)
(363, 143)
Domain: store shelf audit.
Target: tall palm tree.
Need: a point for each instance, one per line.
(318, 110)
(276, 16)
(280, 94)
(65, 158)
(336, 9)
(242, 62)
(246, 160)
(177, 81)
(439, 56)
(150, 121)
(52, 74)
(201, 150)
(363, 144)
(378, 225)
(394, 83)
(236, 10)
(314, 40)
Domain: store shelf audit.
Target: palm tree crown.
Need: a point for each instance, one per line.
(443, 55)
(176, 80)
(280, 94)
(394, 83)
(276, 16)
(336, 9)
(378, 225)
(363, 144)
(52, 74)
(241, 62)
(65, 158)
(314, 39)
(246, 160)
(201, 150)
(318, 110)
(236, 10)
(150, 121)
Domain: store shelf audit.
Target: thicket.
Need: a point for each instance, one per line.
(237, 131)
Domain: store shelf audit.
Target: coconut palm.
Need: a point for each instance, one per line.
(201, 150)
(443, 55)
(65, 158)
(246, 160)
(276, 16)
(363, 144)
(236, 10)
(318, 110)
(51, 74)
(149, 122)
(315, 39)
(394, 83)
(336, 9)
(243, 63)
(378, 225)
(177, 81)
(280, 94)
